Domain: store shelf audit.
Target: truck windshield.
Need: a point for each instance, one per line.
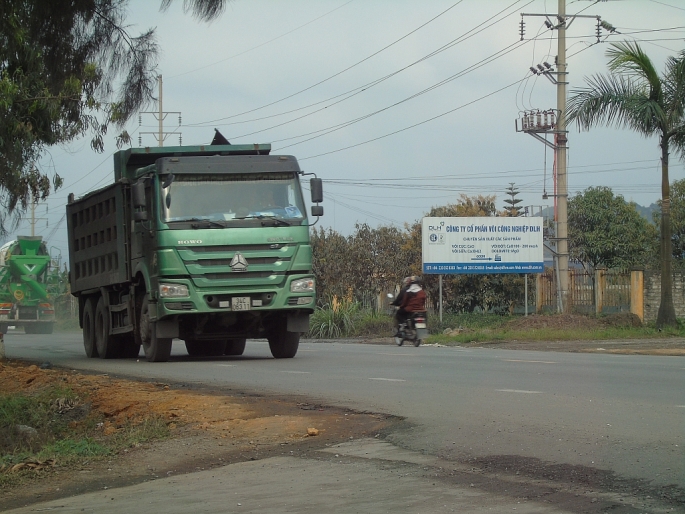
(235, 196)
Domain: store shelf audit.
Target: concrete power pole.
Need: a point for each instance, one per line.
(160, 135)
(161, 113)
(561, 137)
(539, 122)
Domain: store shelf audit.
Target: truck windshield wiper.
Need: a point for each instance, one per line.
(201, 222)
(265, 220)
(209, 223)
(276, 221)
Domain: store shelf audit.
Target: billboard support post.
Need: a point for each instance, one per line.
(440, 281)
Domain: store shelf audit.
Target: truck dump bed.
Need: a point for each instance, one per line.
(98, 225)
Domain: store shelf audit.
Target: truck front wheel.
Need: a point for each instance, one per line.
(89, 329)
(235, 346)
(157, 349)
(283, 344)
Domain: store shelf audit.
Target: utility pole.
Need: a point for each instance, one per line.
(561, 137)
(34, 220)
(160, 115)
(554, 121)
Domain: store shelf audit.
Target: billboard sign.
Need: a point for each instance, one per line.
(482, 245)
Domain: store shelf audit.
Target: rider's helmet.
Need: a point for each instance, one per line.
(406, 281)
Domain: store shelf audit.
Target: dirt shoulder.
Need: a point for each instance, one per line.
(208, 428)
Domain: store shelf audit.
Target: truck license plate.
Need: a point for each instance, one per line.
(240, 303)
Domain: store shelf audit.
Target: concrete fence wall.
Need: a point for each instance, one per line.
(608, 291)
(652, 294)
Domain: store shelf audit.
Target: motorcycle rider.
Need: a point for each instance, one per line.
(400, 315)
(413, 300)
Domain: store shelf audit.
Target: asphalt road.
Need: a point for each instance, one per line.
(621, 416)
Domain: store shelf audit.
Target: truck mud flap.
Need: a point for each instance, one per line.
(167, 328)
(298, 322)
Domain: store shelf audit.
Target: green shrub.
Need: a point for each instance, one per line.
(333, 320)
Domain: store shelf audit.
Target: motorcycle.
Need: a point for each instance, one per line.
(414, 329)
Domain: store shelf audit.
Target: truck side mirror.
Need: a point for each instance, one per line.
(139, 203)
(316, 188)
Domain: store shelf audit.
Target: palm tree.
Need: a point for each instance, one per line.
(635, 96)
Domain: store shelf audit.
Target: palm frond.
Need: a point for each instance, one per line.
(628, 58)
(614, 100)
(674, 88)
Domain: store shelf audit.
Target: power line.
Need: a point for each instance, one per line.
(334, 128)
(412, 126)
(365, 87)
(340, 72)
(262, 44)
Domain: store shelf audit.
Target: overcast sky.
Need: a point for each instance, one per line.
(398, 105)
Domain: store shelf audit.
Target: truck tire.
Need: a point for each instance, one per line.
(107, 345)
(212, 348)
(283, 344)
(159, 352)
(89, 329)
(235, 346)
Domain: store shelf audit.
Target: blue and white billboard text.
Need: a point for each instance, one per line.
(482, 245)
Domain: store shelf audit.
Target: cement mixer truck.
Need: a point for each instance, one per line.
(25, 274)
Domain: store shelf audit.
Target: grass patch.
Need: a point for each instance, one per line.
(348, 319)
(336, 319)
(502, 334)
(54, 426)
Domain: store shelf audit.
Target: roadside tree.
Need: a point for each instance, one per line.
(605, 230)
(68, 69)
(677, 220)
(634, 95)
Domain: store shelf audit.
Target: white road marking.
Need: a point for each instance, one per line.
(518, 391)
(681, 406)
(389, 379)
(227, 365)
(300, 372)
(403, 354)
(521, 360)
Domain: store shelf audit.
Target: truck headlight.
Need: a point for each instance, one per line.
(302, 285)
(173, 290)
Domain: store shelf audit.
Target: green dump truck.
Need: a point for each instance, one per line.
(207, 244)
(25, 297)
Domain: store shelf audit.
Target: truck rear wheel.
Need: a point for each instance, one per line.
(155, 351)
(106, 344)
(235, 346)
(89, 329)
